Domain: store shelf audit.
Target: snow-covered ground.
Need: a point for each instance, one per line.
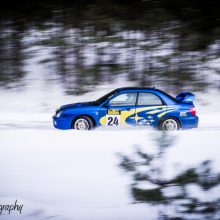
(76, 175)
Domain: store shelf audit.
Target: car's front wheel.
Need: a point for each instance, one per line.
(169, 124)
(82, 123)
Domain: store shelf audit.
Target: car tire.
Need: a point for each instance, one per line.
(82, 123)
(169, 124)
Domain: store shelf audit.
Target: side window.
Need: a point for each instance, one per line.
(125, 99)
(148, 99)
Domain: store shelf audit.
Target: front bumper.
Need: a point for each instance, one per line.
(62, 123)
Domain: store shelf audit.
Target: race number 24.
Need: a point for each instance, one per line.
(113, 120)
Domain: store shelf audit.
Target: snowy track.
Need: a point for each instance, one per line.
(75, 174)
(44, 121)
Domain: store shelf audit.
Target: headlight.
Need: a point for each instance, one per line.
(58, 114)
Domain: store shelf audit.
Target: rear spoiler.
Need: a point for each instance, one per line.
(185, 97)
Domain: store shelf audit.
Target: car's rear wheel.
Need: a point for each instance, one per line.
(169, 124)
(82, 123)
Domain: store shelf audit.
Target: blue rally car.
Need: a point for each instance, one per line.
(130, 106)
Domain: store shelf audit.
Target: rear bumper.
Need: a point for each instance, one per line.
(189, 122)
(62, 123)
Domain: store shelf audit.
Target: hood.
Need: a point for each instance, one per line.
(75, 105)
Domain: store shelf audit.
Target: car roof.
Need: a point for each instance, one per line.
(147, 89)
(137, 88)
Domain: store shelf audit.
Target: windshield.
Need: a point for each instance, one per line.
(105, 97)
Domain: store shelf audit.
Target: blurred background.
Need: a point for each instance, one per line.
(53, 52)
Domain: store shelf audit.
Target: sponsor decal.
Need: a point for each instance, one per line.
(183, 113)
(113, 112)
